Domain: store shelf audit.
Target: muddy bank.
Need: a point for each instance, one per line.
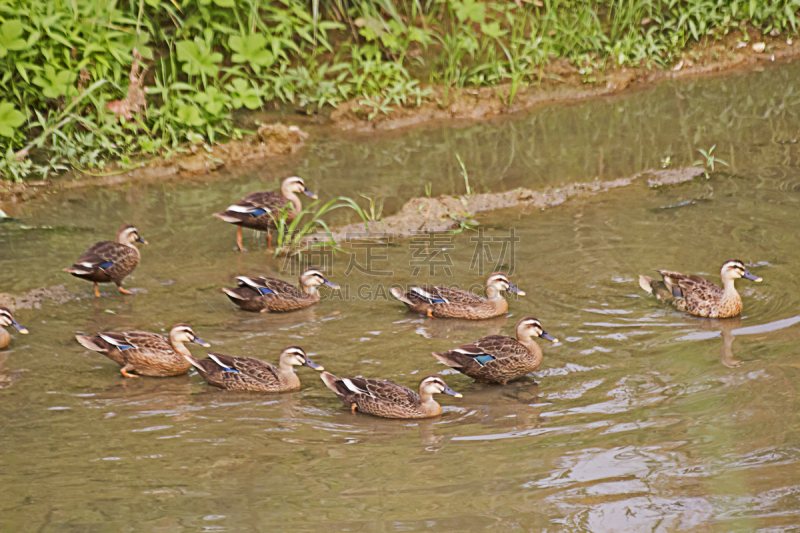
(431, 215)
(271, 140)
(34, 299)
(562, 82)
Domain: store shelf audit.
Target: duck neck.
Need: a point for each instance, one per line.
(310, 290)
(5, 337)
(287, 374)
(728, 289)
(531, 345)
(428, 405)
(180, 348)
(497, 300)
(296, 204)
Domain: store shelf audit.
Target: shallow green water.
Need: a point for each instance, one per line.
(642, 419)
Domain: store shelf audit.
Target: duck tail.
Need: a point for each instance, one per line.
(330, 382)
(91, 344)
(231, 294)
(646, 283)
(442, 357)
(400, 295)
(225, 217)
(77, 270)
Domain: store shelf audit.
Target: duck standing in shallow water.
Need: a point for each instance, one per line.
(256, 210)
(109, 262)
(388, 399)
(147, 354)
(499, 358)
(444, 302)
(270, 295)
(255, 375)
(7, 319)
(697, 296)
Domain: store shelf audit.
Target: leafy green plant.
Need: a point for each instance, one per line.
(469, 190)
(709, 160)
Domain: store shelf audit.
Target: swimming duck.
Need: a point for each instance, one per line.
(270, 295)
(388, 399)
(256, 210)
(109, 262)
(249, 374)
(147, 354)
(444, 302)
(499, 358)
(697, 296)
(7, 319)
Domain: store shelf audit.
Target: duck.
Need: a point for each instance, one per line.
(699, 297)
(500, 358)
(249, 374)
(260, 210)
(7, 319)
(388, 399)
(109, 262)
(446, 302)
(147, 354)
(270, 295)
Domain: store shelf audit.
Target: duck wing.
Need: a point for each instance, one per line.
(689, 287)
(248, 366)
(444, 295)
(101, 257)
(265, 286)
(483, 352)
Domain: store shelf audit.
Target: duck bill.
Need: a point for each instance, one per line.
(310, 194)
(751, 277)
(514, 289)
(312, 365)
(451, 392)
(548, 337)
(201, 342)
(17, 326)
(332, 285)
(139, 239)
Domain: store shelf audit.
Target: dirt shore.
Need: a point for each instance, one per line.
(561, 83)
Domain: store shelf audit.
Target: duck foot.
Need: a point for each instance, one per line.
(430, 313)
(269, 240)
(124, 291)
(239, 240)
(353, 408)
(96, 291)
(126, 373)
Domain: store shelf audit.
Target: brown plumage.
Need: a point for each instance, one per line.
(270, 295)
(7, 319)
(249, 374)
(147, 354)
(109, 262)
(499, 358)
(445, 302)
(697, 296)
(260, 210)
(388, 399)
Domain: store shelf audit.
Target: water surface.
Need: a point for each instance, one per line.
(641, 419)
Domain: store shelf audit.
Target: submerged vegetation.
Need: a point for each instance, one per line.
(84, 81)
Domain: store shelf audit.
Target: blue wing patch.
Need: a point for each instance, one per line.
(106, 265)
(264, 290)
(676, 292)
(121, 347)
(231, 370)
(258, 212)
(437, 301)
(484, 359)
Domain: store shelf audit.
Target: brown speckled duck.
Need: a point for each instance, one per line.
(697, 296)
(388, 399)
(499, 358)
(147, 354)
(270, 295)
(7, 319)
(255, 375)
(109, 262)
(445, 302)
(256, 210)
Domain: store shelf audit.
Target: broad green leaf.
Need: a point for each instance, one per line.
(198, 58)
(469, 9)
(243, 94)
(10, 119)
(54, 84)
(251, 49)
(189, 115)
(10, 31)
(225, 3)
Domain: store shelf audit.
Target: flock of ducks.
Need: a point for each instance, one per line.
(491, 359)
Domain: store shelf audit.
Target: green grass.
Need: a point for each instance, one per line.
(63, 61)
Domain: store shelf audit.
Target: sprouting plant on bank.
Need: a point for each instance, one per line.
(709, 160)
(373, 213)
(469, 190)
